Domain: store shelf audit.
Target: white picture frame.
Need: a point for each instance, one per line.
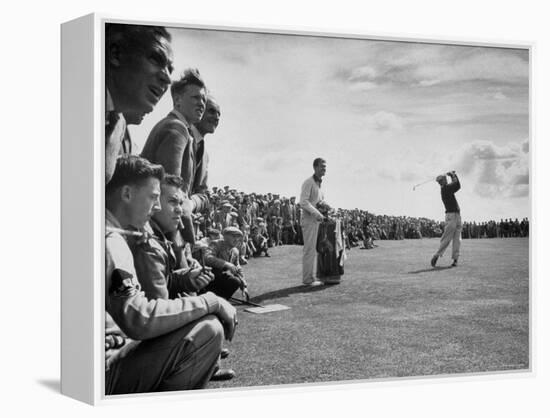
(82, 196)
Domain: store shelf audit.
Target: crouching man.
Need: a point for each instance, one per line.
(161, 344)
(223, 256)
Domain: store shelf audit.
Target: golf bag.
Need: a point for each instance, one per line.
(330, 252)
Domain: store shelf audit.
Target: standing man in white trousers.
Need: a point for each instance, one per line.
(310, 195)
(453, 221)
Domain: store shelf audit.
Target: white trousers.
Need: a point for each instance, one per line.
(309, 231)
(453, 232)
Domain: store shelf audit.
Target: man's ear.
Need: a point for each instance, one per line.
(126, 193)
(113, 55)
(176, 99)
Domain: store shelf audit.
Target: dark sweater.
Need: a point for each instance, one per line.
(448, 195)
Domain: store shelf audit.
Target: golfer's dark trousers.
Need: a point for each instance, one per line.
(224, 283)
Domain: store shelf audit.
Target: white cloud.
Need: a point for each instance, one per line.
(385, 121)
(428, 65)
(495, 171)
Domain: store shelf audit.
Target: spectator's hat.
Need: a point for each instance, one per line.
(259, 219)
(227, 205)
(440, 178)
(231, 230)
(213, 232)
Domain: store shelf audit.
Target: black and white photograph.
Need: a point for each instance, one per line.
(297, 208)
(275, 209)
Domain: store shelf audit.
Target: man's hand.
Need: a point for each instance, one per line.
(200, 278)
(113, 341)
(227, 315)
(194, 264)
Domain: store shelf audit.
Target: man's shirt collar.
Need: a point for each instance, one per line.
(317, 180)
(196, 134)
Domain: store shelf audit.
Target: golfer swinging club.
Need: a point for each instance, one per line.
(453, 222)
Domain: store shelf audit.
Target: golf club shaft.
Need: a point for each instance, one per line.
(420, 184)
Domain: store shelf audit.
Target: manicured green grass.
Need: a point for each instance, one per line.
(392, 315)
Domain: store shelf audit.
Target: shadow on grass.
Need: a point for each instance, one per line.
(283, 293)
(429, 270)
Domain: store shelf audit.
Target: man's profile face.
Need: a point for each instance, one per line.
(140, 77)
(210, 119)
(320, 169)
(143, 202)
(171, 201)
(192, 102)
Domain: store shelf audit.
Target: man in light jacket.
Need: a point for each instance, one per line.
(310, 196)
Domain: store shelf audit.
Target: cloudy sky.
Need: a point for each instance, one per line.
(385, 115)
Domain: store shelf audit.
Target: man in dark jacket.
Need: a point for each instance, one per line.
(138, 63)
(453, 221)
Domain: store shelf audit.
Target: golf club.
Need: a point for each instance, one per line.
(420, 184)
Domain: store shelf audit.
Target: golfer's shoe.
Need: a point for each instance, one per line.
(315, 283)
(223, 374)
(434, 260)
(455, 263)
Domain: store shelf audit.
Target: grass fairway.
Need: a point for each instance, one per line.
(392, 315)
